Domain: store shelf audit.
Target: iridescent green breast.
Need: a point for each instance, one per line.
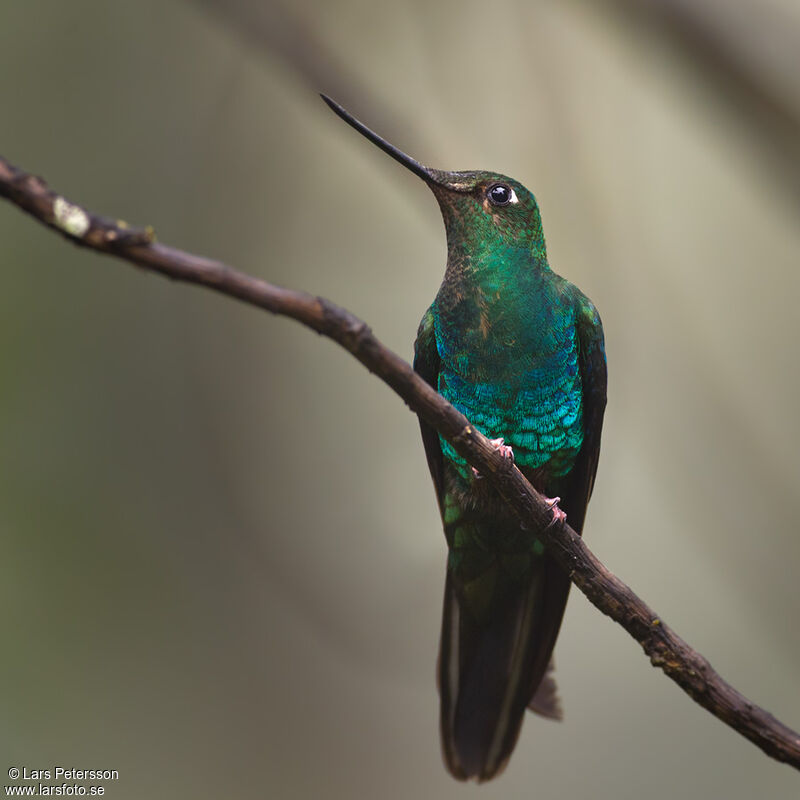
(511, 367)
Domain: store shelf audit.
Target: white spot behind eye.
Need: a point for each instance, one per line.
(513, 198)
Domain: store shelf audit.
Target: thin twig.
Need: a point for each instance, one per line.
(666, 649)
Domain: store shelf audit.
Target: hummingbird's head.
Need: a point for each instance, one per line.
(480, 209)
(486, 208)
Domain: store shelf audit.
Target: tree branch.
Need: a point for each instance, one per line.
(690, 670)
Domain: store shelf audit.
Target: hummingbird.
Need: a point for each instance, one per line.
(520, 352)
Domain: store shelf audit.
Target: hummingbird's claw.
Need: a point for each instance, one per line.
(500, 445)
(505, 450)
(559, 517)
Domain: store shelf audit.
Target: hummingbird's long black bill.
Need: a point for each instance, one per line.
(426, 173)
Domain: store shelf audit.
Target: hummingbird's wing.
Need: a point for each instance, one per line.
(592, 366)
(426, 365)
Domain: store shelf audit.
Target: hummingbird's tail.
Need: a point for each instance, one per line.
(490, 670)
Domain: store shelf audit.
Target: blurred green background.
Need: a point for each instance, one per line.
(221, 559)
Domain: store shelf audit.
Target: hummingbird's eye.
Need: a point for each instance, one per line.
(500, 194)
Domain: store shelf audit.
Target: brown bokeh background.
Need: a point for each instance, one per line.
(221, 560)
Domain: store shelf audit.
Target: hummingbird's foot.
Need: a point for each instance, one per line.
(500, 445)
(559, 517)
(505, 450)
